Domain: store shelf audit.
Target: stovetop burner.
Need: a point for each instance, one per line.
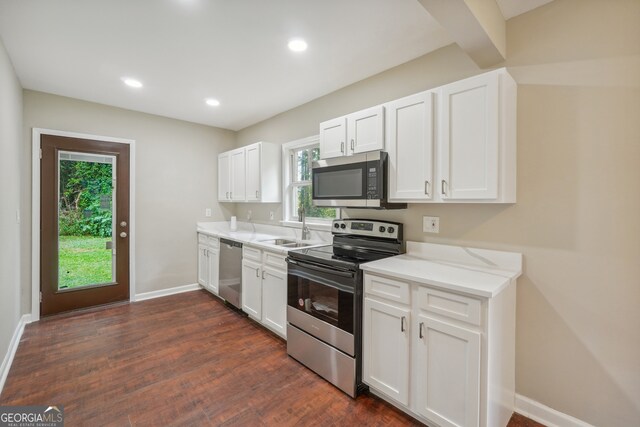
(355, 242)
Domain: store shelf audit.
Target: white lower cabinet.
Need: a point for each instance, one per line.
(386, 352)
(252, 289)
(208, 262)
(423, 349)
(447, 373)
(264, 288)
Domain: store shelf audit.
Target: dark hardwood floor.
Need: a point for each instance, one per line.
(179, 360)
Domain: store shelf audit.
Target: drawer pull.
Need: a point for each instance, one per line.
(421, 335)
(402, 320)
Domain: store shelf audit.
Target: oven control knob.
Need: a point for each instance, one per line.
(381, 229)
(336, 225)
(391, 229)
(343, 226)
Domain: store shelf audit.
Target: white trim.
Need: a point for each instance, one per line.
(169, 291)
(35, 210)
(13, 347)
(545, 415)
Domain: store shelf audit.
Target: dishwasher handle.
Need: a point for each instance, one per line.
(232, 243)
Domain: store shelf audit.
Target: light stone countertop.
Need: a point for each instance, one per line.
(255, 235)
(478, 272)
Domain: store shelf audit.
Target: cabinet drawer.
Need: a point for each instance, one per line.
(389, 289)
(274, 260)
(203, 238)
(251, 253)
(450, 305)
(214, 243)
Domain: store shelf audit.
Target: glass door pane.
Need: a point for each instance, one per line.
(86, 207)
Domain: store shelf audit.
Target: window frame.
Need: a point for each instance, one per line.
(289, 215)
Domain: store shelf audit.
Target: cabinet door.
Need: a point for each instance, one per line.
(448, 373)
(253, 176)
(410, 141)
(386, 349)
(333, 135)
(274, 300)
(237, 175)
(252, 289)
(365, 130)
(223, 177)
(203, 265)
(469, 138)
(214, 270)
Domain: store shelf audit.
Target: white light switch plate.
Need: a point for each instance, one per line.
(431, 224)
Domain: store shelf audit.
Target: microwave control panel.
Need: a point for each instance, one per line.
(372, 182)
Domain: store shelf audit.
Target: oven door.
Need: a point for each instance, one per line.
(322, 302)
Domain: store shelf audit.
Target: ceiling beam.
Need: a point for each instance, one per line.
(477, 26)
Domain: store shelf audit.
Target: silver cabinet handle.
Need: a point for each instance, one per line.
(402, 319)
(352, 144)
(227, 195)
(426, 188)
(257, 272)
(256, 194)
(442, 187)
(123, 234)
(342, 147)
(230, 194)
(263, 274)
(421, 326)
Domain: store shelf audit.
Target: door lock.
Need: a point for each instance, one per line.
(123, 234)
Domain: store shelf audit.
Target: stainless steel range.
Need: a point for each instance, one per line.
(324, 311)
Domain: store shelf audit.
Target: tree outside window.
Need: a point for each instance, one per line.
(301, 195)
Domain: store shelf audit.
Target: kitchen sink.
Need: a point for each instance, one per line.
(286, 243)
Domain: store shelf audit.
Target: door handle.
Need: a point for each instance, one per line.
(352, 144)
(442, 187)
(257, 272)
(402, 319)
(227, 195)
(123, 224)
(421, 334)
(123, 234)
(257, 194)
(262, 274)
(426, 188)
(342, 147)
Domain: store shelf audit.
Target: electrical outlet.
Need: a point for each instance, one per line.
(249, 215)
(271, 215)
(431, 224)
(207, 212)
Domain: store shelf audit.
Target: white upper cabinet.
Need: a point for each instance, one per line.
(251, 174)
(357, 132)
(410, 143)
(365, 130)
(237, 175)
(333, 135)
(455, 143)
(224, 185)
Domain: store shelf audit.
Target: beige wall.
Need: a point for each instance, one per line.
(176, 179)
(11, 153)
(577, 220)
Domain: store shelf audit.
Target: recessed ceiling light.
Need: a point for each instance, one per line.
(132, 82)
(212, 102)
(297, 45)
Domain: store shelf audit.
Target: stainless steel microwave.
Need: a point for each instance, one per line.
(357, 181)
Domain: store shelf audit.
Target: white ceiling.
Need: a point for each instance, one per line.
(235, 51)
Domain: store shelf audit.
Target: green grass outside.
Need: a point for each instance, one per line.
(84, 261)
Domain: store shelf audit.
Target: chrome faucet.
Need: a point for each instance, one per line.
(305, 230)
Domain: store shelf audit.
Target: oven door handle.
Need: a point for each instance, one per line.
(340, 273)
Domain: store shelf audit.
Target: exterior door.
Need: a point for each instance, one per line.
(84, 221)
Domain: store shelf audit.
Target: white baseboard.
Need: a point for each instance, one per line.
(545, 415)
(166, 292)
(13, 347)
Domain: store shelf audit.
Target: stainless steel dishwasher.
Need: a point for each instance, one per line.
(231, 272)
